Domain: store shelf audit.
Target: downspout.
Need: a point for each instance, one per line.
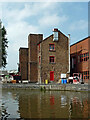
(41, 61)
(69, 51)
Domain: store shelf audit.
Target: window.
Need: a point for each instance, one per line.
(51, 47)
(86, 75)
(84, 57)
(52, 59)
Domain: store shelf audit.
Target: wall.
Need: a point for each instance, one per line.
(61, 64)
(23, 60)
(61, 87)
(33, 40)
(77, 49)
(39, 61)
(89, 58)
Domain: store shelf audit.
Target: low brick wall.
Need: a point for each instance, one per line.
(61, 87)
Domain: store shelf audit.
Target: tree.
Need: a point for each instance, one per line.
(3, 46)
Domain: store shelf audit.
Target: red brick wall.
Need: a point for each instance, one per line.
(77, 49)
(89, 58)
(61, 64)
(23, 60)
(33, 39)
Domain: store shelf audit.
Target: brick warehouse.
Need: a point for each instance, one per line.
(45, 59)
(80, 58)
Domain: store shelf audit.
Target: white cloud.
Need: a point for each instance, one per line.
(15, 15)
(24, 18)
(18, 33)
(18, 37)
(53, 19)
(30, 9)
(18, 28)
(79, 25)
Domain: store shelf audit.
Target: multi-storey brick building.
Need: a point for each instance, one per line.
(80, 58)
(45, 59)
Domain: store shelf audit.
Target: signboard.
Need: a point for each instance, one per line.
(63, 75)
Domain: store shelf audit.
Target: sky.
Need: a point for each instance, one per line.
(22, 18)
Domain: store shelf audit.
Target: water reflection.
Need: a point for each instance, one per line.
(49, 104)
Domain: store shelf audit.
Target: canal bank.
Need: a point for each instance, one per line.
(56, 87)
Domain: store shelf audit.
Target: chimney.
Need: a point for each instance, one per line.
(55, 30)
(55, 34)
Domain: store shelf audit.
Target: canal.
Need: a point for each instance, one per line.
(44, 104)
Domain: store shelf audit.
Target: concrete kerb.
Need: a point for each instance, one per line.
(59, 87)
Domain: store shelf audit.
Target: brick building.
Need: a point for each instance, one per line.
(23, 60)
(80, 58)
(45, 59)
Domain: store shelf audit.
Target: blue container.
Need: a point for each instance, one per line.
(65, 81)
(62, 81)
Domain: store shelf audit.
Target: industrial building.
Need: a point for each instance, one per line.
(45, 59)
(80, 58)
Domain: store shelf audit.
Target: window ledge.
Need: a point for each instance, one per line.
(52, 63)
(52, 50)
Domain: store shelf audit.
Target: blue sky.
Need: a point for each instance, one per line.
(22, 18)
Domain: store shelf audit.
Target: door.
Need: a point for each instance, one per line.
(51, 75)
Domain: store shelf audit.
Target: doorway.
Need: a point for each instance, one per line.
(51, 75)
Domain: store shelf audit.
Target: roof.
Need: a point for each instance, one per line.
(22, 48)
(80, 41)
(44, 39)
(50, 36)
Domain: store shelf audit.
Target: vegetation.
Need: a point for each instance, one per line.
(3, 46)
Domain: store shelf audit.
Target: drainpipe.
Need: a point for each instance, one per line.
(69, 51)
(41, 62)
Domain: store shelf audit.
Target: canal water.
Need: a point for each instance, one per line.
(40, 104)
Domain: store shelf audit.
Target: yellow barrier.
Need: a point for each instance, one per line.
(46, 81)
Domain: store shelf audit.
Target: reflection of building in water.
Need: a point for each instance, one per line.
(85, 109)
(29, 105)
(78, 109)
(42, 105)
(52, 100)
(63, 101)
(52, 105)
(34, 105)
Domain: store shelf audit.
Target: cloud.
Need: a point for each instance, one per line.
(18, 28)
(18, 37)
(19, 23)
(54, 19)
(16, 14)
(21, 19)
(79, 25)
(18, 34)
